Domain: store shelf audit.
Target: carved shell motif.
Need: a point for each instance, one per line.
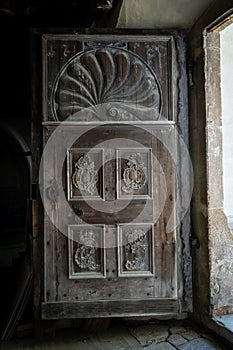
(106, 76)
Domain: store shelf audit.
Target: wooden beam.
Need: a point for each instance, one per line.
(114, 308)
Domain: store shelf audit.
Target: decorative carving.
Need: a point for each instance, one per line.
(87, 45)
(66, 51)
(154, 51)
(104, 5)
(51, 52)
(151, 51)
(77, 210)
(106, 75)
(135, 251)
(136, 46)
(134, 176)
(118, 113)
(85, 177)
(85, 255)
(52, 192)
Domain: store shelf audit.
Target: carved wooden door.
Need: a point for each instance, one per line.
(113, 243)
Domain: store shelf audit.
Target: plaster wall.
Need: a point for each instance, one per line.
(160, 13)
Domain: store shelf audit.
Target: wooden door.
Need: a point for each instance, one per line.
(112, 243)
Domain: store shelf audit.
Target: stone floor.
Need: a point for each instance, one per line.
(169, 335)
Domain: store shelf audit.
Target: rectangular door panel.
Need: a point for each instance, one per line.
(126, 254)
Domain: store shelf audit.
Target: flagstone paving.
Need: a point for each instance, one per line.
(122, 336)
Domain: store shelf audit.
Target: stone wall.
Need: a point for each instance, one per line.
(208, 222)
(160, 14)
(220, 236)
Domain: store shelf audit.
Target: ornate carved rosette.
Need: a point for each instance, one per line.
(85, 255)
(135, 251)
(85, 177)
(134, 176)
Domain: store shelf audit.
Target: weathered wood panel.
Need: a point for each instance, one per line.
(159, 279)
(138, 71)
(135, 78)
(109, 309)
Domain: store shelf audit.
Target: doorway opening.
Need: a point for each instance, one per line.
(219, 127)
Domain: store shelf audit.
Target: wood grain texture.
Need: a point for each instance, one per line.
(96, 70)
(163, 281)
(160, 57)
(117, 308)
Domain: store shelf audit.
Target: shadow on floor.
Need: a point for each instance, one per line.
(122, 335)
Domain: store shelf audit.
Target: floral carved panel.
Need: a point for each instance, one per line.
(86, 251)
(84, 173)
(135, 250)
(85, 176)
(134, 167)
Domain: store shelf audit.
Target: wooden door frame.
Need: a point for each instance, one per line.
(182, 306)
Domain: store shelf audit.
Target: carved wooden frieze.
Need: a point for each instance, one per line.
(134, 173)
(130, 76)
(135, 250)
(86, 252)
(84, 173)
